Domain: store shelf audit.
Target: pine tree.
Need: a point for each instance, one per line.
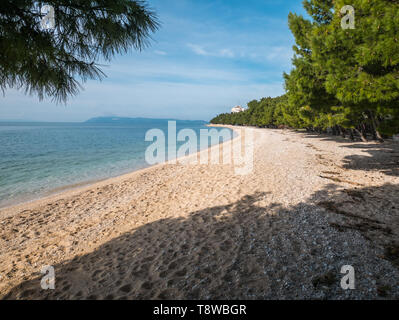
(53, 62)
(305, 85)
(363, 63)
(344, 80)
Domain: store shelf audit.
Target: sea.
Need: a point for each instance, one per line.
(40, 159)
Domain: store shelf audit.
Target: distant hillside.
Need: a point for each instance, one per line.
(138, 120)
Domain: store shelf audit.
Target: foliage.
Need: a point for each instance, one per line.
(51, 62)
(344, 81)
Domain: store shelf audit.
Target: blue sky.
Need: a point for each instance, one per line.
(208, 56)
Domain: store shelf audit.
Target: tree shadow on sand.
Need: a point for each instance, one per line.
(383, 157)
(245, 251)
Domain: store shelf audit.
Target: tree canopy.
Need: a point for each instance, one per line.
(53, 62)
(344, 80)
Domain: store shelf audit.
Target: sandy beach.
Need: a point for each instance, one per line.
(311, 205)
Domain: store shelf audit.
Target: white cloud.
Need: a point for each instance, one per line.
(226, 53)
(178, 71)
(161, 53)
(145, 99)
(169, 99)
(198, 49)
(267, 54)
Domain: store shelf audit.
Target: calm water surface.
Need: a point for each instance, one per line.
(38, 158)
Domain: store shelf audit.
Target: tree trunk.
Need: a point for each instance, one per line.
(361, 135)
(351, 134)
(375, 127)
(342, 132)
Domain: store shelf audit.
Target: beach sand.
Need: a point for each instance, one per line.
(311, 205)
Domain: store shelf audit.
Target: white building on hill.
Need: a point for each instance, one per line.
(237, 109)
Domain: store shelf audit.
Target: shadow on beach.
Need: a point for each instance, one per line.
(383, 157)
(245, 251)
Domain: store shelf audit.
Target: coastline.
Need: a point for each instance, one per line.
(311, 205)
(71, 190)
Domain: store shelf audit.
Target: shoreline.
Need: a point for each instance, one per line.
(71, 190)
(193, 231)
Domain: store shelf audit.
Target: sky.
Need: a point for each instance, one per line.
(207, 57)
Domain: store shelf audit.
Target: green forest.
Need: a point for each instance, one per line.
(344, 81)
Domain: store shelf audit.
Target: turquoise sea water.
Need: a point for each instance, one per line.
(39, 158)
